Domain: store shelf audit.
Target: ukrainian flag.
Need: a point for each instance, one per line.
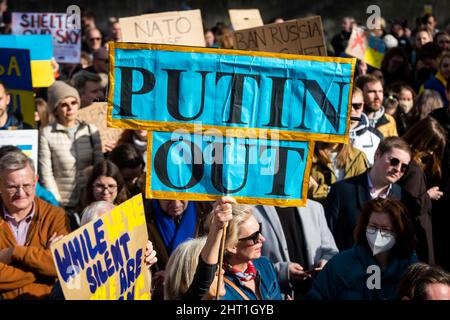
(41, 53)
(375, 52)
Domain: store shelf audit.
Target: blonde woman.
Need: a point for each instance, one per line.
(248, 275)
(191, 267)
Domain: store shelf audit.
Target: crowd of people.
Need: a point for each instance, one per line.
(382, 200)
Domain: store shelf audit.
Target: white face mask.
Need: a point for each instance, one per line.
(379, 243)
(406, 105)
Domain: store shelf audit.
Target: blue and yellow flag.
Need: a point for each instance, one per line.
(41, 53)
(15, 73)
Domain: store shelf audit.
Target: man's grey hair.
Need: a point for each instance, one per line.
(15, 161)
(95, 210)
(81, 77)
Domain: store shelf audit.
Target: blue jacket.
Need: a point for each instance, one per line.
(345, 277)
(46, 195)
(267, 281)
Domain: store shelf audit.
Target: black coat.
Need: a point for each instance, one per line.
(344, 204)
(414, 184)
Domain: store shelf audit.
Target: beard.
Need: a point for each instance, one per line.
(372, 108)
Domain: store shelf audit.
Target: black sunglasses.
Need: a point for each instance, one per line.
(254, 236)
(357, 106)
(394, 162)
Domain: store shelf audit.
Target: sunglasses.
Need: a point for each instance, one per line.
(357, 106)
(395, 162)
(95, 39)
(254, 236)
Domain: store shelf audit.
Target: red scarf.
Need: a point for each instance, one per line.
(249, 274)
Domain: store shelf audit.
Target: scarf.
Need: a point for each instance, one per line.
(172, 234)
(249, 274)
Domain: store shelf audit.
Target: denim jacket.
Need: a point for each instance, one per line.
(266, 281)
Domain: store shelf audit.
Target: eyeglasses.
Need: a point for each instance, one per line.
(95, 39)
(383, 232)
(357, 106)
(27, 188)
(254, 236)
(101, 188)
(395, 162)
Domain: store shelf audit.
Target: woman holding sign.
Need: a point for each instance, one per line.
(248, 275)
(190, 272)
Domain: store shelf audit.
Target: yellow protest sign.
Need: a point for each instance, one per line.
(104, 259)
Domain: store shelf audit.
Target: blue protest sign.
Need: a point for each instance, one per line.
(160, 87)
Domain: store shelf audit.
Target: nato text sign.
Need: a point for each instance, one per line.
(159, 87)
(302, 36)
(15, 73)
(177, 27)
(104, 259)
(25, 140)
(207, 166)
(245, 18)
(66, 41)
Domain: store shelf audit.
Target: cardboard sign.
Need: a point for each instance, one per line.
(41, 53)
(206, 167)
(176, 27)
(96, 114)
(66, 41)
(302, 36)
(25, 140)
(104, 259)
(245, 18)
(15, 74)
(163, 88)
(366, 47)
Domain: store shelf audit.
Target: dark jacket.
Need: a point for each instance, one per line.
(15, 124)
(202, 209)
(414, 184)
(344, 204)
(346, 275)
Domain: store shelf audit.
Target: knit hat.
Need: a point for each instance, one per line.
(58, 91)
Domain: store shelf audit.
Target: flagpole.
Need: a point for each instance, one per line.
(221, 253)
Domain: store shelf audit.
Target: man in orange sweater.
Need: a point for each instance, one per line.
(28, 227)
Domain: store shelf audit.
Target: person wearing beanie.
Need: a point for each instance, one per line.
(66, 148)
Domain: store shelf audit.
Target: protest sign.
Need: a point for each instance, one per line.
(41, 53)
(364, 46)
(66, 40)
(104, 259)
(158, 87)
(207, 166)
(176, 27)
(302, 36)
(245, 18)
(15, 74)
(229, 122)
(25, 140)
(96, 114)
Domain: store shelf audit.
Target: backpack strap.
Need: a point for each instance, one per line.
(236, 288)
